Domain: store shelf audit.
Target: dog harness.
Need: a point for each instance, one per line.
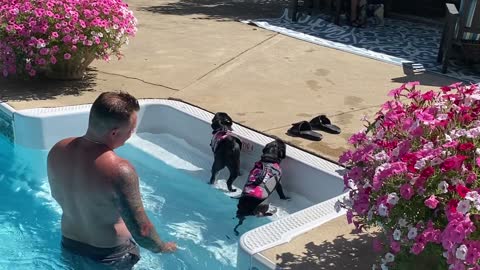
(262, 180)
(221, 135)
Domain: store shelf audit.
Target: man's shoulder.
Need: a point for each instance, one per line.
(60, 146)
(116, 165)
(64, 142)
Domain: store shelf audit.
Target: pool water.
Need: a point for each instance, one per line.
(182, 206)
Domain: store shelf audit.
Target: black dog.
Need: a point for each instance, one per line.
(226, 147)
(263, 179)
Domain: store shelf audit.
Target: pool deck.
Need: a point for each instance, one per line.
(197, 52)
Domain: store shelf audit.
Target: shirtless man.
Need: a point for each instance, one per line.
(99, 192)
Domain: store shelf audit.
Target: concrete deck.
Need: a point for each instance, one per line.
(196, 51)
(338, 246)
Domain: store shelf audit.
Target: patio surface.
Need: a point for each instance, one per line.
(196, 51)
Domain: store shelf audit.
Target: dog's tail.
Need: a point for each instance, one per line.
(240, 222)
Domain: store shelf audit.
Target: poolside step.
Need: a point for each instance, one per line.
(285, 229)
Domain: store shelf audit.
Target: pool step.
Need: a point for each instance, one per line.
(285, 229)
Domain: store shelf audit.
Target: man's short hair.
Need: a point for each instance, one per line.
(112, 110)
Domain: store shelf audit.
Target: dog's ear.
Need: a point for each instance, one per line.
(216, 117)
(215, 125)
(282, 148)
(217, 120)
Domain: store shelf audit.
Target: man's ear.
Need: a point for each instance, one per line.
(114, 131)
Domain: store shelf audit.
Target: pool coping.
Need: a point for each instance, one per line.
(264, 237)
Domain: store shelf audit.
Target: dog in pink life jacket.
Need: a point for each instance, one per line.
(262, 181)
(226, 147)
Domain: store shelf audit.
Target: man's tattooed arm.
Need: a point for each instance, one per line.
(129, 202)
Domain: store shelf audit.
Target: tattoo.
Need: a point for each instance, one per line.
(130, 205)
(146, 229)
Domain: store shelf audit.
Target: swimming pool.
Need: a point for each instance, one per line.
(183, 207)
(173, 159)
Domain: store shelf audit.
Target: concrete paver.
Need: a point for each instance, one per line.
(285, 81)
(338, 246)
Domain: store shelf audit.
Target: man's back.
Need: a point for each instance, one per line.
(99, 192)
(81, 176)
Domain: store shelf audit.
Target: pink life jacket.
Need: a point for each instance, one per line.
(221, 135)
(262, 180)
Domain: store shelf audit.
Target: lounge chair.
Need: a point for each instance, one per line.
(311, 6)
(462, 32)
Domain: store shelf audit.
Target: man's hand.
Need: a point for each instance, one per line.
(169, 247)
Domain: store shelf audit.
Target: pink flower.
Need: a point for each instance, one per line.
(44, 51)
(54, 34)
(67, 39)
(53, 60)
(395, 246)
(466, 146)
(471, 178)
(42, 62)
(388, 170)
(462, 190)
(345, 157)
(452, 144)
(355, 173)
(417, 132)
(377, 245)
(428, 96)
(396, 92)
(425, 117)
(417, 248)
(453, 163)
(406, 191)
(349, 217)
(357, 138)
(411, 85)
(427, 172)
(431, 202)
(452, 206)
(67, 56)
(55, 49)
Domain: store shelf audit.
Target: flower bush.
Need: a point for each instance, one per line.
(414, 174)
(38, 34)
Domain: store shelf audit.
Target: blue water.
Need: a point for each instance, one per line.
(182, 206)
